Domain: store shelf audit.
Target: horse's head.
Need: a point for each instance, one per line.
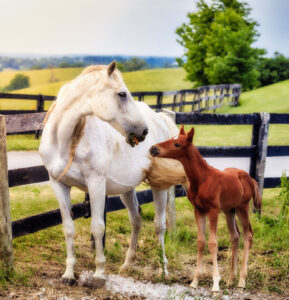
(111, 101)
(175, 147)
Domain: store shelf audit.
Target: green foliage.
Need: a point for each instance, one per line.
(134, 64)
(66, 64)
(20, 81)
(284, 197)
(36, 67)
(274, 69)
(217, 42)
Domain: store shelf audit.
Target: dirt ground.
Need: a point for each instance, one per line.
(47, 285)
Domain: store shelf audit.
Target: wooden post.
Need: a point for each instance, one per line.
(260, 139)
(40, 103)
(159, 100)
(171, 208)
(6, 255)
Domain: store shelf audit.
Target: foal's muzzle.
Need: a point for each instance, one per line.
(154, 151)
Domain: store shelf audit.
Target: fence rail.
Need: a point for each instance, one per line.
(205, 98)
(255, 152)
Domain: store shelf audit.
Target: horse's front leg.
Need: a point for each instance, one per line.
(62, 193)
(160, 202)
(130, 201)
(96, 190)
(213, 247)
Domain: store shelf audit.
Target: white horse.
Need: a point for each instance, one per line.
(89, 141)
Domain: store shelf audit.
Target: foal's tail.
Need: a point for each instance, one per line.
(257, 199)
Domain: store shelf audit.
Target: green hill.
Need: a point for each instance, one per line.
(273, 98)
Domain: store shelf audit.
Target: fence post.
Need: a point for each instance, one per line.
(40, 103)
(260, 139)
(6, 255)
(159, 100)
(171, 208)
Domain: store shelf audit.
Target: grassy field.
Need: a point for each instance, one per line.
(40, 257)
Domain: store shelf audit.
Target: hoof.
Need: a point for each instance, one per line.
(194, 284)
(69, 281)
(230, 282)
(124, 268)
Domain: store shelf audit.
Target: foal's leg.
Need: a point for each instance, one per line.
(62, 193)
(235, 234)
(130, 201)
(243, 214)
(160, 202)
(213, 247)
(96, 190)
(201, 223)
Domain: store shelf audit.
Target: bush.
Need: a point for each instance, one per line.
(20, 81)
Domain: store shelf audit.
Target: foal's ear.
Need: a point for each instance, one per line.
(191, 135)
(111, 68)
(182, 130)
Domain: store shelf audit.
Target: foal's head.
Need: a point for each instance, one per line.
(175, 147)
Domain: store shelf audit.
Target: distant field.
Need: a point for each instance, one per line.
(147, 80)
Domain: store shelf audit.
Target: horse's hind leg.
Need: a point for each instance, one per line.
(130, 201)
(96, 189)
(160, 202)
(243, 214)
(235, 234)
(201, 223)
(62, 193)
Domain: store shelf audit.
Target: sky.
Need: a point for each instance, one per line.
(127, 27)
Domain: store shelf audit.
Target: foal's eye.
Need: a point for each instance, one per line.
(177, 145)
(122, 95)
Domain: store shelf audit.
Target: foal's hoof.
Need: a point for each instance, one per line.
(124, 268)
(69, 281)
(96, 283)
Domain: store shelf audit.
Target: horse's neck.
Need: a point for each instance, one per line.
(195, 166)
(63, 120)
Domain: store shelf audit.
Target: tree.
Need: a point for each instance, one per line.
(218, 44)
(135, 64)
(20, 81)
(273, 69)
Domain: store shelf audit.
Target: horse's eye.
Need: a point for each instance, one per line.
(177, 145)
(122, 95)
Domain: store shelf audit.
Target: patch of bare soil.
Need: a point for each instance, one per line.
(47, 285)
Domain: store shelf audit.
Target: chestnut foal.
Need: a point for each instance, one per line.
(211, 191)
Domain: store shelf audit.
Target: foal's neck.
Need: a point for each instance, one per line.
(196, 168)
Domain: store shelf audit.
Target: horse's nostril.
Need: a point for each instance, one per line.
(154, 151)
(145, 132)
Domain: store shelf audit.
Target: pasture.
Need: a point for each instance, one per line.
(40, 257)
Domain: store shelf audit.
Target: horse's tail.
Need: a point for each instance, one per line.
(257, 199)
(165, 172)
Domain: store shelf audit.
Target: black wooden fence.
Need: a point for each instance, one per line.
(256, 151)
(207, 98)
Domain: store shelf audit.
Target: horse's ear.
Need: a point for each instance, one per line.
(182, 130)
(191, 135)
(111, 68)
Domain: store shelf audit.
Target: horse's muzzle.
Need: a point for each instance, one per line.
(133, 139)
(154, 151)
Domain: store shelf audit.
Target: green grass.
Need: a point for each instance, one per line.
(273, 98)
(44, 252)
